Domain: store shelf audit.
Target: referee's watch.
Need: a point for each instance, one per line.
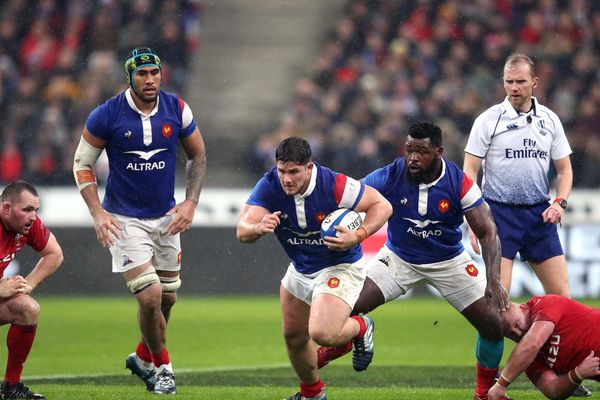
(561, 202)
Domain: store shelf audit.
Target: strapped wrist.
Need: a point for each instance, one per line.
(574, 377)
(502, 381)
(361, 234)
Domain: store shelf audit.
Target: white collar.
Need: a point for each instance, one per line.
(430, 184)
(311, 185)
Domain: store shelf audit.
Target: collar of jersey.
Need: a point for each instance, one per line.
(311, 185)
(512, 113)
(430, 184)
(134, 107)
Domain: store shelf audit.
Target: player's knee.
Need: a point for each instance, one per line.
(295, 339)
(143, 281)
(27, 310)
(324, 337)
(170, 284)
(492, 329)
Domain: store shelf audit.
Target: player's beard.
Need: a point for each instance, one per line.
(424, 176)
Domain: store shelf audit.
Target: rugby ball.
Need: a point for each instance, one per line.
(340, 217)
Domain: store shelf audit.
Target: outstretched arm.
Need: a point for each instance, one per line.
(482, 223)
(522, 356)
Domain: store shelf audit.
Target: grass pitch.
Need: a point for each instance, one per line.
(229, 348)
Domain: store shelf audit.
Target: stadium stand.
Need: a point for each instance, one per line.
(60, 59)
(387, 63)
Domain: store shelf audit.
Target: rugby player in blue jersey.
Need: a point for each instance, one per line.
(325, 275)
(431, 196)
(138, 219)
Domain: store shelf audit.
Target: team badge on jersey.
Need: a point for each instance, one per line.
(472, 270)
(443, 205)
(167, 131)
(320, 216)
(333, 282)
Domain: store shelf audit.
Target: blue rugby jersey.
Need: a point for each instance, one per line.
(141, 151)
(425, 225)
(301, 215)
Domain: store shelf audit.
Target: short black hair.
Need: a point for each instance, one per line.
(294, 149)
(424, 130)
(13, 190)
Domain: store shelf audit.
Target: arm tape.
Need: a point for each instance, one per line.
(85, 157)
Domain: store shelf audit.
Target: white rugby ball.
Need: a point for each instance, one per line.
(340, 217)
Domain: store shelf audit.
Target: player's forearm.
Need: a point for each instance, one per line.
(44, 268)
(195, 171)
(248, 232)
(491, 254)
(564, 184)
(91, 198)
(376, 216)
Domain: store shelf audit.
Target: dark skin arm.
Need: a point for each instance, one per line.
(195, 171)
(482, 223)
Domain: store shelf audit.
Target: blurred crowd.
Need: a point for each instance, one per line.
(59, 59)
(387, 63)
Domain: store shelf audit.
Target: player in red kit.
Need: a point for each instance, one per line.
(558, 339)
(20, 226)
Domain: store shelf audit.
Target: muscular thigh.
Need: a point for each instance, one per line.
(145, 241)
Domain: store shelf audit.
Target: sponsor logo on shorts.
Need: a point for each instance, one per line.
(126, 260)
(333, 282)
(179, 258)
(444, 205)
(472, 270)
(385, 260)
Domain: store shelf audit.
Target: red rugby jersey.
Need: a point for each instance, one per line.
(11, 243)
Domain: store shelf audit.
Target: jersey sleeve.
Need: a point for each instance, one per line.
(38, 235)
(261, 194)
(348, 191)
(560, 147)
(548, 308)
(188, 125)
(97, 122)
(470, 194)
(378, 179)
(480, 138)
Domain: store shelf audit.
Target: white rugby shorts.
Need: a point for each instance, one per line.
(459, 280)
(343, 280)
(144, 240)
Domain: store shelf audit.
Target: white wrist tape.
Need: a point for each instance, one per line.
(85, 157)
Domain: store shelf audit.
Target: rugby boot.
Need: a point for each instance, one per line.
(165, 380)
(362, 347)
(581, 391)
(134, 364)
(18, 391)
(298, 396)
(325, 354)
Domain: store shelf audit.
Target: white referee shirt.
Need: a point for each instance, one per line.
(516, 149)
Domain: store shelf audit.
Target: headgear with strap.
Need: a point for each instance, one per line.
(138, 58)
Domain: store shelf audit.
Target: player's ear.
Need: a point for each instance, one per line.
(535, 81)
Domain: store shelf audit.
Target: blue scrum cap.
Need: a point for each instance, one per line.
(138, 58)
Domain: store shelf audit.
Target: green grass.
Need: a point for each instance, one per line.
(228, 348)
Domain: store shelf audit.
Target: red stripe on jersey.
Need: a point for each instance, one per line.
(181, 104)
(467, 183)
(340, 186)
